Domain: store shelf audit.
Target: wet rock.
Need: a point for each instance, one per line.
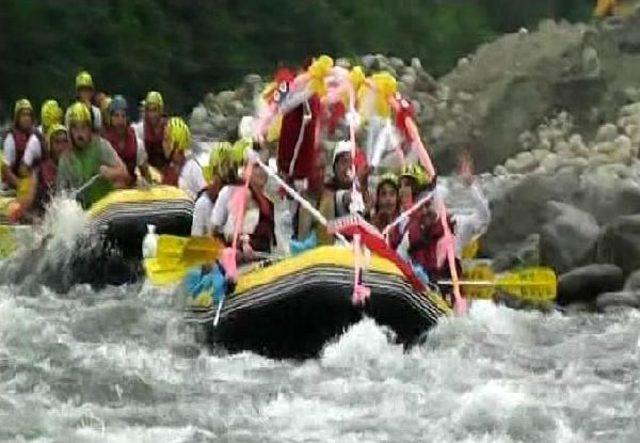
(524, 253)
(633, 282)
(619, 243)
(607, 133)
(586, 283)
(614, 301)
(568, 237)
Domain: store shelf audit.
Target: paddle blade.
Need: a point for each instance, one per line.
(532, 284)
(201, 250)
(165, 272)
(170, 247)
(482, 273)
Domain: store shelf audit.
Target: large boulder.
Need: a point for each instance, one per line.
(586, 283)
(619, 243)
(568, 237)
(520, 212)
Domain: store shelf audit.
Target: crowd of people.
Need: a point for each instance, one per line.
(93, 148)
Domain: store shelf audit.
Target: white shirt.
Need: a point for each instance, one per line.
(202, 211)
(191, 179)
(471, 226)
(32, 152)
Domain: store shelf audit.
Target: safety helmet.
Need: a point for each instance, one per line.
(178, 134)
(417, 173)
(78, 113)
(389, 178)
(342, 147)
(239, 151)
(84, 80)
(50, 114)
(118, 103)
(21, 105)
(219, 153)
(154, 99)
(56, 128)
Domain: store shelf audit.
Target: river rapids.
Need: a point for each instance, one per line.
(117, 365)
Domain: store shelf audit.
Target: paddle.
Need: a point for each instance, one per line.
(176, 255)
(537, 284)
(84, 187)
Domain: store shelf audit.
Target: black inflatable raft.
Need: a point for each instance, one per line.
(291, 309)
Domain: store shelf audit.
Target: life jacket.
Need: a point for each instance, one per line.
(263, 235)
(170, 176)
(153, 143)
(289, 133)
(126, 147)
(47, 175)
(21, 139)
(423, 245)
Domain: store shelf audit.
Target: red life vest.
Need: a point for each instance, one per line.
(170, 176)
(153, 143)
(289, 133)
(20, 139)
(264, 233)
(47, 174)
(126, 147)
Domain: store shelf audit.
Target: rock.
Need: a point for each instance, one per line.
(607, 133)
(568, 237)
(619, 243)
(525, 253)
(520, 212)
(633, 281)
(590, 62)
(614, 301)
(586, 283)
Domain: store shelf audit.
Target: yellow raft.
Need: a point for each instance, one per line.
(292, 308)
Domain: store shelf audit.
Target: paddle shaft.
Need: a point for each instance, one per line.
(84, 187)
(297, 197)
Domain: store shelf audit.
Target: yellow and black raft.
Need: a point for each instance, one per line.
(117, 226)
(292, 308)
(110, 252)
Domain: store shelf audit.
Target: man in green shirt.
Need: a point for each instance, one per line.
(91, 156)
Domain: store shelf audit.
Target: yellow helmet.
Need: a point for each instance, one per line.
(390, 178)
(57, 127)
(178, 134)
(21, 105)
(78, 113)
(239, 150)
(84, 80)
(50, 114)
(154, 98)
(219, 153)
(417, 173)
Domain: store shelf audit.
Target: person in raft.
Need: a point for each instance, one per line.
(90, 162)
(183, 170)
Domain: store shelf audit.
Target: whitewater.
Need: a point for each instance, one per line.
(119, 365)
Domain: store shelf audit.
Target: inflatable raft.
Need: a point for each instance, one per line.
(292, 308)
(111, 250)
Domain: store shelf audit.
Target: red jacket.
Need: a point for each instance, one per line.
(153, 144)
(289, 133)
(126, 147)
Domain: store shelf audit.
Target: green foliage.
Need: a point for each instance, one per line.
(187, 48)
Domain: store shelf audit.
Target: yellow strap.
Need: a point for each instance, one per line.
(537, 284)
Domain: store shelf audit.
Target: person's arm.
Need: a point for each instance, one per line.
(219, 214)
(201, 216)
(32, 153)
(9, 153)
(113, 168)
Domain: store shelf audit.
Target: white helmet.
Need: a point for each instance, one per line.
(342, 147)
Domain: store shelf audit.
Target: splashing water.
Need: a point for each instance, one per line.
(103, 367)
